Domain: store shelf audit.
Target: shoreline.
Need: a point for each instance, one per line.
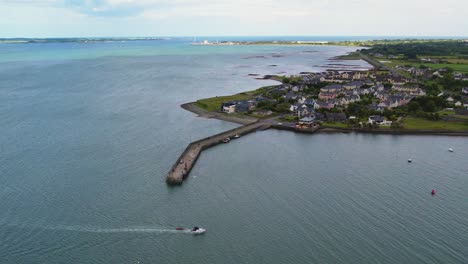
(191, 107)
(326, 130)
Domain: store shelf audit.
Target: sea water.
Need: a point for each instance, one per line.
(89, 131)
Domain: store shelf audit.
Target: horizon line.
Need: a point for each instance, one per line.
(224, 36)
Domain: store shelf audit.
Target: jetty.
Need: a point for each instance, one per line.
(184, 164)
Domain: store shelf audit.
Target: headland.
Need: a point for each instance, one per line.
(406, 93)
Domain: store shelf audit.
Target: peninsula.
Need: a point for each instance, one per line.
(414, 88)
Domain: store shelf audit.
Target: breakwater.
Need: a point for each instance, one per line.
(184, 164)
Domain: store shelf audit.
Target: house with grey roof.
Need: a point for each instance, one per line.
(352, 85)
(243, 106)
(331, 88)
(325, 104)
(291, 96)
(376, 119)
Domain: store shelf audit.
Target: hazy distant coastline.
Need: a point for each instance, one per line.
(72, 40)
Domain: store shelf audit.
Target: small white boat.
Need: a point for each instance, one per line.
(451, 149)
(237, 136)
(410, 160)
(226, 140)
(197, 231)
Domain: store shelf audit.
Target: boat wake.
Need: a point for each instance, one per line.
(91, 229)
(85, 229)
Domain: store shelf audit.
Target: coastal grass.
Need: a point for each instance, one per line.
(213, 104)
(288, 119)
(425, 124)
(350, 56)
(334, 125)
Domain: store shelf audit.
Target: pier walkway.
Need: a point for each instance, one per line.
(185, 162)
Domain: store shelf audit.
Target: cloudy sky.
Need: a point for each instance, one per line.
(79, 18)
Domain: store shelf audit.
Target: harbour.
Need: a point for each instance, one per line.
(182, 167)
(87, 144)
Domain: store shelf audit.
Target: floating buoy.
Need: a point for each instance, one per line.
(433, 192)
(410, 160)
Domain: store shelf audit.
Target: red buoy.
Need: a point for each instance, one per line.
(433, 192)
(179, 228)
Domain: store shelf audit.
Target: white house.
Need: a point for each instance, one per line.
(228, 107)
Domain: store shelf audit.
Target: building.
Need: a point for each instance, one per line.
(229, 107)
(326, 105)
(332, 88)
(352, 85)
(327, 96)
(243, 106)
(376, 119)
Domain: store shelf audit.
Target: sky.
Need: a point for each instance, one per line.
(132, 18)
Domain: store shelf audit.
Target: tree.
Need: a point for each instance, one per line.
(410, 55)
(413, 106)
(387, 85)
(430, 107)
(283, 108)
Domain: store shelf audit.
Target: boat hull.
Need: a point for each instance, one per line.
(198, 232)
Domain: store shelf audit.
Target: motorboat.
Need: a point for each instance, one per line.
(451, 149)
(237, 136)
(226, 140)
(410, 160)
(197, 231)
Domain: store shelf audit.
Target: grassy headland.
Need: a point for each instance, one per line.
(213, 104)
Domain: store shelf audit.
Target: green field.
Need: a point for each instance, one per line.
(421, 123)
(214, 103)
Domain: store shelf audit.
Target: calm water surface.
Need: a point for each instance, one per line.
(90, 130)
